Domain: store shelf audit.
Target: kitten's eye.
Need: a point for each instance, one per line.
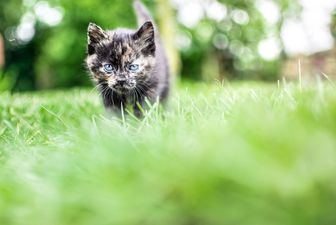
(108, 68)
(133, 67)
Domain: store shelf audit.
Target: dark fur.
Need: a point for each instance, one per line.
(121, 47)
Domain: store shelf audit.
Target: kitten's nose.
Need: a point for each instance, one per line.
(121, 81)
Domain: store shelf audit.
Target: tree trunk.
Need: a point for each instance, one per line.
(2, 52)
(168, 27)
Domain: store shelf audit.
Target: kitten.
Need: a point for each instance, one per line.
(128, 66)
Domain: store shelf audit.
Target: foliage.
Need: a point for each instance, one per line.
(232, 44)
(232, 154)
(333, 24)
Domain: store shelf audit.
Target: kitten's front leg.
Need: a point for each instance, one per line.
(119, 111)
(114, 103)
(138, 106)
(137, 110)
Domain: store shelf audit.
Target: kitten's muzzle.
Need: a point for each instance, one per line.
(121, 82)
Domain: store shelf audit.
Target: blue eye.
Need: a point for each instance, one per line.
(133, 67)
(108, 68)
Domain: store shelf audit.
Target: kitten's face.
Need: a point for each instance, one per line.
(122, 59)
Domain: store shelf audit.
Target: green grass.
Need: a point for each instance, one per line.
(247, 154)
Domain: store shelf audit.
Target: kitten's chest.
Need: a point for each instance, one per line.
(140, 94)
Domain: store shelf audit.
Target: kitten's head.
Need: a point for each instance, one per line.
(122, 59)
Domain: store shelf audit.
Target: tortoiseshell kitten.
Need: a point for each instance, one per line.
(128, 66)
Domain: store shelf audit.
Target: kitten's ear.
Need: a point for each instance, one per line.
(95, 35)
(145, 37)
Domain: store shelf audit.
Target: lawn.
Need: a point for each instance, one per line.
(232, 154)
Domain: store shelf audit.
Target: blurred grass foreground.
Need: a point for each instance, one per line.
(242, 154)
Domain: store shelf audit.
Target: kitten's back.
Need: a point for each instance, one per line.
(161, 71)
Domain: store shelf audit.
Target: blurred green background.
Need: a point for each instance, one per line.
(45, 41)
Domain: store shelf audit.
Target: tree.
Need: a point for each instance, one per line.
(2, 52)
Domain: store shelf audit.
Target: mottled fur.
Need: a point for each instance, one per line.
(122, 47)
